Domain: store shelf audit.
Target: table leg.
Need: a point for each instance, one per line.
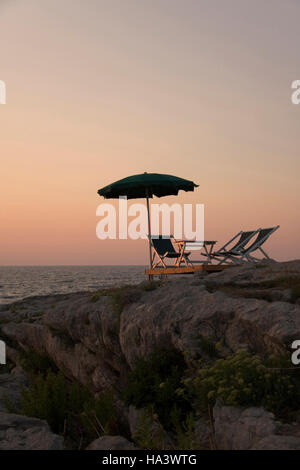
(182, 248)
(208, 252)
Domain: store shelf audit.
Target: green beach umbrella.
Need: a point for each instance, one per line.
(147, 185)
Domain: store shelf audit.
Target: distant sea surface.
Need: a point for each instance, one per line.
(18, 282)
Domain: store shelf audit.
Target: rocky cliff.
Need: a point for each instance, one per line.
(96, 339)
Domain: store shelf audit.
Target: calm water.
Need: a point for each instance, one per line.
(18, 282)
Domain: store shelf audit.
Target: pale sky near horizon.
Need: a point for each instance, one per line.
(101, 89)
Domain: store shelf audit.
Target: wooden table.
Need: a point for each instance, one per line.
(208, 246)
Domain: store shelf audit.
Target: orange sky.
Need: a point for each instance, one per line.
(99, 90)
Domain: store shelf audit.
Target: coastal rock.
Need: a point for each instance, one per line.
(278, 443)
(252, 428)
(255, 273)
(22, 433)
(81, 337)
(180, 314)
(97, 338)
(111, 443)
(94, 342)
(238, 428)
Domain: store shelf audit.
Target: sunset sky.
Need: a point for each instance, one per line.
(101, 89)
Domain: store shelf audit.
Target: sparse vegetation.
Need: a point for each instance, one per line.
(120, 297)
(154, 382)
(248, 293)
(186, 435)
(282, 282)
(260, 290)
(69, 408)
(151, 285)
(150, 434)
(175, 391)
(96, 296)
(63, 336)
(244, 379)
(208, 347)
(35, 363)
(46, 399)
(7, 368)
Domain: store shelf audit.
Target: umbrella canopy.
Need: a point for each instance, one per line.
(147, 185)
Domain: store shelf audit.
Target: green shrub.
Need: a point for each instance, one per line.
(69, 408)
(186, 435)
(151, 285)
(7, 368)
(124, 296)
(149, 434)
(208, 346)
(46, 398)
(97, 415)
(33, 362)
(154, 382)
(120, 297)
(244, 380)
(95, 297)
(63, 336)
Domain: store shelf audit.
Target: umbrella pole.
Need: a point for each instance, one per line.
(149, 232)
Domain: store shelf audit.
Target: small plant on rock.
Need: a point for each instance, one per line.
(154, 382)
(244, 379)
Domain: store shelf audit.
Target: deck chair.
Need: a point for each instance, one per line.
(262, 237)
(163, 248)
(230, 255)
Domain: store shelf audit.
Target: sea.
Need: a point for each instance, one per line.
(19, 282)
